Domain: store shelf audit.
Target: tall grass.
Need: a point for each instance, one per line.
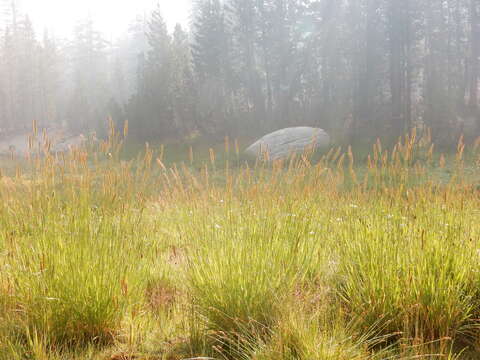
(333, 258)
(246, 262)
(73, 260)
(412, 269)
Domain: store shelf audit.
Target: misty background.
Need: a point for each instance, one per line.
(359, 69)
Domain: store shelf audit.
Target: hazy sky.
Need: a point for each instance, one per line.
(111, 16)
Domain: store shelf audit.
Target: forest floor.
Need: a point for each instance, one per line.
(193, 252)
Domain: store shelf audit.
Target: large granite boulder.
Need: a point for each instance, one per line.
(282, 143)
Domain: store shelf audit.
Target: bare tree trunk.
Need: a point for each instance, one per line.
(461, 62)
(266, 62)
(368, 78)
(475, 54)
(408, 65)
(397, 66)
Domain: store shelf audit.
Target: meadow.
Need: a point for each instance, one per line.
(319, 257)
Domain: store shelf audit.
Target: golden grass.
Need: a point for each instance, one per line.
(309, 258)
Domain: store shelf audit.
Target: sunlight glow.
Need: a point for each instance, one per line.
(112, 17)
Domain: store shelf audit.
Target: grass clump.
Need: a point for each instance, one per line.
(242, 267)
(303, 334)
(75, 276)
(412, 270)
(334, 259)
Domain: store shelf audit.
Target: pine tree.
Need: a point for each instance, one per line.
(243, 26)
(183, 86)
(212, 66)
(209, 48)
(153, 104)
(49, 80)
(90, 92)
(158, 82)
(27, 85)
(131, 49)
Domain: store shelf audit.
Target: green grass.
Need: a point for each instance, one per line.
(230, 271)
(340, 258)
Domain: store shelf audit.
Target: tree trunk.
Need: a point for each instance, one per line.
(408, 66)
(368, 78)
(475, 53)
(266, 62)
(397, 66)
